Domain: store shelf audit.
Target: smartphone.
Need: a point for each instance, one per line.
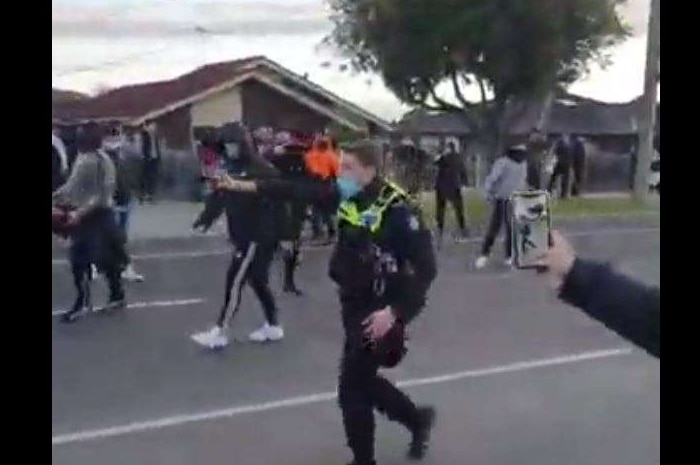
(530, 219)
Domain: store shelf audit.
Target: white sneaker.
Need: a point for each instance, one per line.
(130, 274)
(267, 333)
(508, 262)
(481, 262)
(215, 338)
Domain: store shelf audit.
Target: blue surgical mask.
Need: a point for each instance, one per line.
(348, 187)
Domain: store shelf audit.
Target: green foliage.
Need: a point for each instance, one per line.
(510, 48)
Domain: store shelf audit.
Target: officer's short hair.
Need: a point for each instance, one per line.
(367, 152)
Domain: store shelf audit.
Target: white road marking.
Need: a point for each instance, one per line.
(178, 420)
(156, 303)
(311, 248)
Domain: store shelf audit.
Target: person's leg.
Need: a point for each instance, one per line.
(356, 373)
(259, 280)
(508, 239)
(236, 277)
(440, 211)
(494, 227)
(290, 254)
(458, 207)
(565, 178)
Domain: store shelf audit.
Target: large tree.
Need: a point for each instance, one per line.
(511, 50)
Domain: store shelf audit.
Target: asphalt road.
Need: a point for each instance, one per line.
(517, 377)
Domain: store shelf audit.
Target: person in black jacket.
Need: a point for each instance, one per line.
(288, 158)
(383, 264)
(631, 309)
(252, 225)
(150, 151)
(451, 176)
(563, 150)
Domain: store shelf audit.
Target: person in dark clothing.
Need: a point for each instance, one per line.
(150, 151)
(122, 205)
(536, 149)
(508, 175)
(289, 160)
(562, 169)
(451, 176)
(89, 193)
(384, 265)
(631, 309)
(579, 164)
(252, 225)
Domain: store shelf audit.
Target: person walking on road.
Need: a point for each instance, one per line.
(384, 265)
(451, 176)
(508, 175)
(253, 223)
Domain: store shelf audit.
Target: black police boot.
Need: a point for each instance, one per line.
(421, 435)
(76, 312)
(290, 265)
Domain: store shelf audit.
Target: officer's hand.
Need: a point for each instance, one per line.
(379, 323)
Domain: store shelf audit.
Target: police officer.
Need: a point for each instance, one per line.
(252, 223)
(384, 264)
(288, 158)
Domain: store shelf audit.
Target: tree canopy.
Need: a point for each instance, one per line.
(510, 49)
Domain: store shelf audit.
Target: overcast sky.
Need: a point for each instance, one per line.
(108, 43)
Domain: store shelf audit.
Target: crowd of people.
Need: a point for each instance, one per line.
(383, 260)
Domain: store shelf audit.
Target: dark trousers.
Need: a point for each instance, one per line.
(149, 179)
(291, 262)
(455, 199)
(499, 216)
(361, 390)
(577, 185)
(96, 241)
(322, 215)
(561, 173)
(250, 264)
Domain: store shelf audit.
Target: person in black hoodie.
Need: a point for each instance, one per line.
(451, 176)
(252, 225)
(288, 158)
(631, 309)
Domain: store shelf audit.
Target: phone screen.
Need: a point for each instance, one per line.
(530, 218)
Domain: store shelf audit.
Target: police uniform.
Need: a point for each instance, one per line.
(384, 257)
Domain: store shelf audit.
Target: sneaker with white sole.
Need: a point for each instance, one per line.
(215, 338)
(481, 262)
(508, 262)
(130, 274)
(267, 333)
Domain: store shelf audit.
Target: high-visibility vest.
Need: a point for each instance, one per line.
(372, 217)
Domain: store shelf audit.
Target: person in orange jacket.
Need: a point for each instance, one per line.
(323, 163)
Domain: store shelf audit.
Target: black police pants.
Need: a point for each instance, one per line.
(455, 199)
(250, 264)
(499, 216)
(361, 390)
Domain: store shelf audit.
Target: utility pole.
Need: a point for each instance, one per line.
(647, 111)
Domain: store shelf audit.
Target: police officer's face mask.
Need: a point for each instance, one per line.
(348, 187)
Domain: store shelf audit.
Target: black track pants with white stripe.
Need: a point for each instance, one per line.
(250, 264)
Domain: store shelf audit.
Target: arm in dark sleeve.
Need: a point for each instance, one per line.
(629, 308)
(415, 249)
(213, 208)
(305, 190)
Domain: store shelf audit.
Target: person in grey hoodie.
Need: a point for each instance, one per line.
(508, 175)
(89, 191)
